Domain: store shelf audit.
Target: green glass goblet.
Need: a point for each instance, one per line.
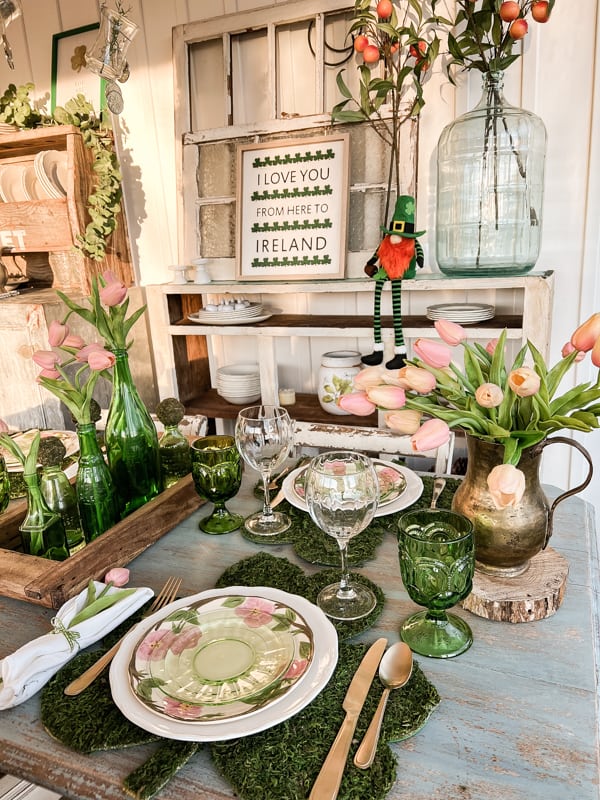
(437, 560)
(217, 474)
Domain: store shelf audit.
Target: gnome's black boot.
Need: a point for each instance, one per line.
(373, 359)
(398, 361)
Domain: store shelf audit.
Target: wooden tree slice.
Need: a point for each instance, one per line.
(536, 594)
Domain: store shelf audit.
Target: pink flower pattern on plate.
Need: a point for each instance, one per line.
(175, 708)
(255, 611)
(155, 645)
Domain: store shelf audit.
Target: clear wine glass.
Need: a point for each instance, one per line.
(264, 436)
(342, 493)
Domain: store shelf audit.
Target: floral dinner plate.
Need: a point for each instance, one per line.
(298, 694)
(392, 482)
(221, 658)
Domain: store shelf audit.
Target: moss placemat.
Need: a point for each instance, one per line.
(312, 545)
(259, 766)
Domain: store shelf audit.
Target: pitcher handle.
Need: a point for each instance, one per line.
(576, 489)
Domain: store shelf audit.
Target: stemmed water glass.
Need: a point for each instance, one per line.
(264, 436)
(342, 492)
(437, 560)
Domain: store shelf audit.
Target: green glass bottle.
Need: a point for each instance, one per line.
(42, 530)
(59, 494)
(175, 458)
(96, 495)
(131, 441)
(4, 485)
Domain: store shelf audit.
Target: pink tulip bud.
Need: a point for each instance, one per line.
(3, 426)
(73, 341)
(84, 353)
(507, 485)
(52, 374)
(356, 403)
(524, 382)
(434, 354)
(113, 294)
(491, 346)
(568, 349)
(586, 335)
(100, 359)
(118, 576)
(370, 376)
(450, 332)
(46, 359)
(406, 421)
(596, 353)
(387, 396)
(433, 433)
(57, 333)
(489, 395)
(418, 379)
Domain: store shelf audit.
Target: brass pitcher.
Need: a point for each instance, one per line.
(507, 538)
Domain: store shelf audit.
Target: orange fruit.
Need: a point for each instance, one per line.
(509, 10)
(384, 9)
(518, 29)
(540, 12)
(371, 54)
(360, 42)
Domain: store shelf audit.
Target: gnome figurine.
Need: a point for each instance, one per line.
(396, 258)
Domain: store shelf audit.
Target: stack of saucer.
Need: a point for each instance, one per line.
(239, 383)
(463, 313)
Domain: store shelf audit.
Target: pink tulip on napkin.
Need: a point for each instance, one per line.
(24, 672)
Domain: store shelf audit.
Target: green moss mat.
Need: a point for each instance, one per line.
(282, 763)
(312, 545)
(258, 767)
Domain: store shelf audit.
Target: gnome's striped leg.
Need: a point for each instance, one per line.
(376, 357)
(399, 359)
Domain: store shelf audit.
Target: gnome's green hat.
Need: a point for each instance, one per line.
(403, 221)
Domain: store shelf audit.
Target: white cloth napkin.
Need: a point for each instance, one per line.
(25, 671)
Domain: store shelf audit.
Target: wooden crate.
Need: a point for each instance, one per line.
(51, 583)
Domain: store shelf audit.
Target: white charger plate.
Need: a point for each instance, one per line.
(217, 321)
(414, 490)
(300, 695)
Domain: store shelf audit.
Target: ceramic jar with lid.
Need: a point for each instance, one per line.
(336, 378)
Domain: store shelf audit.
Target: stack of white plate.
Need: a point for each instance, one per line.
(229, 313)
(463, 313)
(239, 383)
(51, 171)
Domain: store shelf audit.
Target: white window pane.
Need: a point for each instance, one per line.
(296, 72)
(207, 85)
(339, 55)
(250, 77)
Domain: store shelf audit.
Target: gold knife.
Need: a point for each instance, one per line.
(327, 785)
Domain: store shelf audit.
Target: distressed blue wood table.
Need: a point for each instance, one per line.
(518, 719)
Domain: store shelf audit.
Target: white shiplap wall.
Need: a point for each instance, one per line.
(558, 78)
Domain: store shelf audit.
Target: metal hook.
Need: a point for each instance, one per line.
(349, 50)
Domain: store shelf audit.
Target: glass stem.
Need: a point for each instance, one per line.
(345, 591)
(267, 510)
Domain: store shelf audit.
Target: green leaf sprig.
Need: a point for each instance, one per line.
(29, 461)
(95, 603)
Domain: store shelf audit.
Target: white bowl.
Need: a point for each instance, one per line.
(238, 370)
(239, 400)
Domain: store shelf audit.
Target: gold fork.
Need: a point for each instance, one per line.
(166, 595)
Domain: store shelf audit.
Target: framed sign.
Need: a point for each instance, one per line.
(292, 205)
(70, 76)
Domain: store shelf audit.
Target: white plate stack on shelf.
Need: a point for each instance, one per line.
(463, 313)
(239, 383)
(51, 171)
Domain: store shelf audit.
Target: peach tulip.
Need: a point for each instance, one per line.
(524, 381)
(406, 421)
(73, 341)
(100, 359)
(115, 290)
(57, 333)
(491, 346)
(356, 403)
(84, 353)
(568, 349)
(434, 354)
(596, 353)
(586, 335)
(118, 576)
(489, 395)
(369, 376)
(391, 397)
(507, 485)
(46, 359)
(450, 332)
(52, 374)
(417, 379)
(433, 433)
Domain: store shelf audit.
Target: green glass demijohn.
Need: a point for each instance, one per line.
(131, 441)
(174, 448)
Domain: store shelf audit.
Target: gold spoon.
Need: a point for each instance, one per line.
(395, 668)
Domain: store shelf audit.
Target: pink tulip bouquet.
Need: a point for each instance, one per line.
(516, 406)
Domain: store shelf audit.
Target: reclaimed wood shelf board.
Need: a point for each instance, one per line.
(51, 583)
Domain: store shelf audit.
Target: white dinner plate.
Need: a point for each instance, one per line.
(313, 681)
(24, 440)
(414, 490)
(216, 321)
(11, 183)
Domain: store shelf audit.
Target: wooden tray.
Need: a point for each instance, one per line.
(51, 583)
